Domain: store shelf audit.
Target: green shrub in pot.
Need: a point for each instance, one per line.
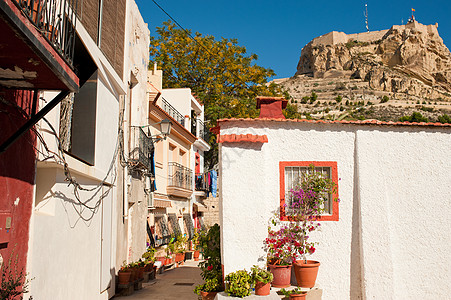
(238, 284)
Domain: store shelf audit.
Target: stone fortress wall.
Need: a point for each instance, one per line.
(336, 37)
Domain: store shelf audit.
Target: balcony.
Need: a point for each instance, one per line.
(180, 180)
(199, 129)
(173, 112)
(38, 37)
(140, 149)
(201, 182)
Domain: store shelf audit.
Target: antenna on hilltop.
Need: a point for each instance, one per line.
(366, 17)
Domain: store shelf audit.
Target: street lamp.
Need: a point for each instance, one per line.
(165, 129)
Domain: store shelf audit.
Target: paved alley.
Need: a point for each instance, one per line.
(177, 283)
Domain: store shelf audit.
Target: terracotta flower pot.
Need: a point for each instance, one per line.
(306, 273)
(141, 272)
(134, 274)
(208, 295)
(298, 296)
(282, 275)
(196, 255)
(124, 277)
(162, 259)
(262, 289)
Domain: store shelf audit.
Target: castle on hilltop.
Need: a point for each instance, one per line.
(336, 37)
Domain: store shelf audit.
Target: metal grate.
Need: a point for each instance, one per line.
(174, 224)
(56, 19)
(140, 148)
(173, 112)
(180, 176)
(189, 225)
(292, 177)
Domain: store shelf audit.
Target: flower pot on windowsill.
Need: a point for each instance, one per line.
(306, 272)
(196, 255)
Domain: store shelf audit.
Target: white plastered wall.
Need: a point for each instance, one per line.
(390, 230)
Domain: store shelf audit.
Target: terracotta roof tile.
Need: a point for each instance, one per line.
(364, 122)
(237, 138)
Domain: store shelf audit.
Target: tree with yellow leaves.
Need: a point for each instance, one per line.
(221, 73)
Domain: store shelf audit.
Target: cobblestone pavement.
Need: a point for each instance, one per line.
(177, 283)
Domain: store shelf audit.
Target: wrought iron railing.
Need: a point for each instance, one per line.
(180, 176)
(173, 112)
(189, 226)
(56, 19)
(174, 225)
(140, 148)
(201, 181)
(199, 129)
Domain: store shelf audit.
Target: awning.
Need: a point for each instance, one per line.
(161, 203)
(200, 207)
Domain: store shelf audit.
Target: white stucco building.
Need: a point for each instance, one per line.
(388, 237)
(178, 159)
(83, 226)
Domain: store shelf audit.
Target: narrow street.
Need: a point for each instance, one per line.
(177, 283)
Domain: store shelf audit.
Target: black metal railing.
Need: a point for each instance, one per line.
(140, 148)
(201, 181)
(199, 129)
(189, 226)
(173, 112)
(180, 176)
(56, 19)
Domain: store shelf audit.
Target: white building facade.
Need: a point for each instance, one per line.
(82, 228)
(391, 224)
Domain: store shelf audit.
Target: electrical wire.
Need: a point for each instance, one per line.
(197, 42)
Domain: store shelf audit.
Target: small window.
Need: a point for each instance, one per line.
(292, 172)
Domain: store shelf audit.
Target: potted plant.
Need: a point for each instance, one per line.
(179, 248)
(211, 268)
(195, 244)
(149, 258)
(170, 251)
(238, 284)
(295, 294)
(133, 267)
(262, 280)
(209, 289)
(307, 205)
(279, 246)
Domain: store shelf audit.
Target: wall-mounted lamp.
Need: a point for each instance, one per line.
(165, 130)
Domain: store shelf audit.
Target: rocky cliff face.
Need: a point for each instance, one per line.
(409, 59)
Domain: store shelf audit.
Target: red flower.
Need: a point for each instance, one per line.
(210, 268)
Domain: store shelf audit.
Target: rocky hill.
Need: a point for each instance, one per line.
(385, 74)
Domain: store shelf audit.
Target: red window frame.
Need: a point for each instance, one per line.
(331, 164)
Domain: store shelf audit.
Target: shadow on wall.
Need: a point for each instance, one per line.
(18, 161)
(356, 291)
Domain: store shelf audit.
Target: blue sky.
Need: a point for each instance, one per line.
(277, 30)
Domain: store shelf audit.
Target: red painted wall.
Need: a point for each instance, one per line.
(17, 172)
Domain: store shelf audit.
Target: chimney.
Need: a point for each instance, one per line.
(271, 107)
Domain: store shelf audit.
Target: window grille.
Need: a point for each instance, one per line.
(161, 232)
(189, 225)
(292, 178)
(174, 224)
